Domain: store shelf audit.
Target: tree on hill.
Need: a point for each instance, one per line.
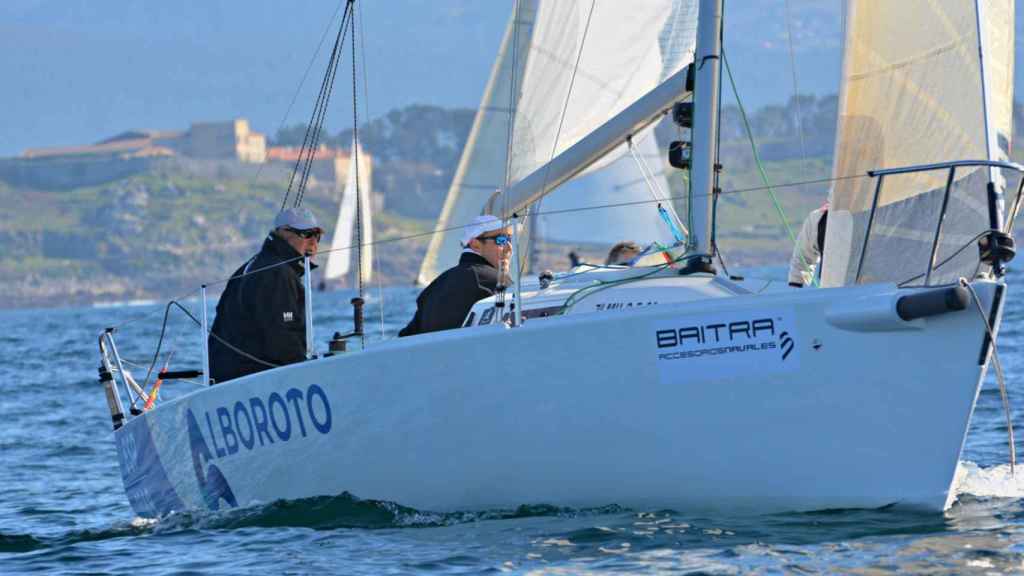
(295, 135)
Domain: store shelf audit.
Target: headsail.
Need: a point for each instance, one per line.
(577, 68)
(936, 91)
(589, 61)
(344, 241)
(482, 167)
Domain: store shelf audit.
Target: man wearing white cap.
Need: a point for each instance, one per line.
(261, 320)
(445, 302)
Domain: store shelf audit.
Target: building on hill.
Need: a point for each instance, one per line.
(225, 140)
(232, 140)
(329, 165)
(135, 144)
(132, 152)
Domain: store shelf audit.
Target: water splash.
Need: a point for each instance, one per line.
(992, 482)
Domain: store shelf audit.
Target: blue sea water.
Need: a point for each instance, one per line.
(63, 508)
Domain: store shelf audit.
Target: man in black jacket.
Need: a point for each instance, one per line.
(261, 320)
(445, 302)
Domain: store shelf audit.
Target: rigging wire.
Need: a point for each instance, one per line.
(366, 114)
(311, 138)
(757, 160)
(510, 139)
(604, 207)
(463, 226)
(999, 375)
(355, 166)
(669, 215)
(302, 82)
(317, 129)
(796, 93)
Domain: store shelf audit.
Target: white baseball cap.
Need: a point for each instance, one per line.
(297, 218)
(481, 225)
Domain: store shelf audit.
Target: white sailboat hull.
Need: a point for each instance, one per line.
(859, 409)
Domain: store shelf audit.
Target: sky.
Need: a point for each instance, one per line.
(78, 71)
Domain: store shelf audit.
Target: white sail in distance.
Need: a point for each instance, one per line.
(345, 241)
(938, 90)
(575, 69)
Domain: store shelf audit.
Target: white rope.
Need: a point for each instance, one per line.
(999, 374)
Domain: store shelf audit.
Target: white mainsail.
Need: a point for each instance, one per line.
(345, 240)
(912, 95)
(574, 68)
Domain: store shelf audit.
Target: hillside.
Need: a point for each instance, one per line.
(163, 232)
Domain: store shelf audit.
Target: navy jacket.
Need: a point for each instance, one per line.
(445, 302)
(262, 314)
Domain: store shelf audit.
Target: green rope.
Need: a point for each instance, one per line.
(600, 285)
(760, 166)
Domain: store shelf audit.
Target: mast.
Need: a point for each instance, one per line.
(705, 123)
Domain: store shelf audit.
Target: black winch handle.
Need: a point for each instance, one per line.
(180, 374)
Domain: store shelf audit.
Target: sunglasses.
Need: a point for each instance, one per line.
(500, 239)
(307, 234)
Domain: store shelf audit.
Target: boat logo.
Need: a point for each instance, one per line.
(288, 316)
(729, 343)
(250, 426)
(786, 344)
(212, 483)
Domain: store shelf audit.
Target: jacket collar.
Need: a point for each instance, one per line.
(471, 257)
(280, 248)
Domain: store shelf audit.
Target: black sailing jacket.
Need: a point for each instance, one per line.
(446, 301)
(263, 314)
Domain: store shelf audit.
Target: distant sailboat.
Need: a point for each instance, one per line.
(346, 240)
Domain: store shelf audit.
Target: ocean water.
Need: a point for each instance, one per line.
(63, 508)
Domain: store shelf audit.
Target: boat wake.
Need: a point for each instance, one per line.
(991, 482)
(348, 511)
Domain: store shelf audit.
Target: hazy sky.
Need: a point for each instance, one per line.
(77, 71)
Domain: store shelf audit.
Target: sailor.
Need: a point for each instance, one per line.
(260, 319)
(487, 246)
(622, 254)
(810, 245)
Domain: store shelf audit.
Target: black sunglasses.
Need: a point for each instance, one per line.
(307, 234)
(500, 239)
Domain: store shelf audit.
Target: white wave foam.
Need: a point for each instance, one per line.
(992, 482)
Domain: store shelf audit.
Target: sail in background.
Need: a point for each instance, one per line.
(917, 95)
(344, 240)
(482, 168)
(628, 48)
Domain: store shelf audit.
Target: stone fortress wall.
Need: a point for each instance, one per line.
(233, 144)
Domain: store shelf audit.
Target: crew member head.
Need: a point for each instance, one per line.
(489, 237)
(298, 227)
(623, 253)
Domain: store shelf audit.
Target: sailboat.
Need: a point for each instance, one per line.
(670, 385)
(345, 240)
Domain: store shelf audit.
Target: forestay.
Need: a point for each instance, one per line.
(936, 91)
